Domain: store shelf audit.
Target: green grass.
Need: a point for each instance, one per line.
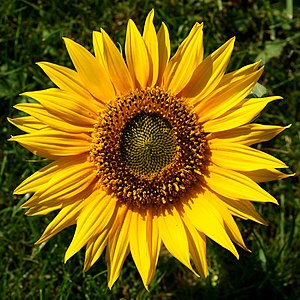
(32, 31)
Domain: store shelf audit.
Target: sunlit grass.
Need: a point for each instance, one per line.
(32, 31)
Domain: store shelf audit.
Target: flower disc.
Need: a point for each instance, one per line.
(148, 144)
(148, 148)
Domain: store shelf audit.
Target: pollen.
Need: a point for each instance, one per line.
(148, 148)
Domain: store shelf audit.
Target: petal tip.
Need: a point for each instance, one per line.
(147, 287)
(130, 22)
(151, 11)
(67, 257)
(110, 284)
(258, 62)
(39, 241)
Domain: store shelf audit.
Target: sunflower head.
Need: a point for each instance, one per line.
(148, 150)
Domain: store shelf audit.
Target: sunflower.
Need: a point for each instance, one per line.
(147, 151)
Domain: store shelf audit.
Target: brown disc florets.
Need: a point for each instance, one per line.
(148, 148)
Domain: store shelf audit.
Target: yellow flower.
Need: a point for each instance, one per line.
(147, 152)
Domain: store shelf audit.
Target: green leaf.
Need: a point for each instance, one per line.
(272, 49)
(258, 91)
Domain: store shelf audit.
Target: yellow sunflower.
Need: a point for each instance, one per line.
(147, 151)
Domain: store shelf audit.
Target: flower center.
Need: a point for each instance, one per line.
(148, 144)
(148, 148)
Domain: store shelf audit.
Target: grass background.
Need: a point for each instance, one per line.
(32, 31)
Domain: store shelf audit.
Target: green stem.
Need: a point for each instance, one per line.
(289, 8)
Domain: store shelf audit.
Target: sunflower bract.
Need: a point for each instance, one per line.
(147, 150)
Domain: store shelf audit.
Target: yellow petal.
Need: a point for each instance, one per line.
(42, 209)
(241, 158)
(28, 124)
(197, 246)
(154, 244)
(139, 244)
(95, 247)
(98, 210)
(151, 42)
(173, 235)
(91, 72)
(206, 218)
(248, 134)
(229, 223)
(118, 244)
(208, 74)
(69, 181)
(137, 56)
(37, 204)
(98, 46)
(240, 115)
(117, 68)
(226, 97)
(264, 175)
(65, 218)
(52, 144)
(235, 185)
(65, 78)
(238, 74)
(67, 106)
(164, 51)
(39, 178)
(243, 209)
(189, 55)
(49, 119)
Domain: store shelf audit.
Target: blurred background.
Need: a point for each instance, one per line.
(32, 31)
